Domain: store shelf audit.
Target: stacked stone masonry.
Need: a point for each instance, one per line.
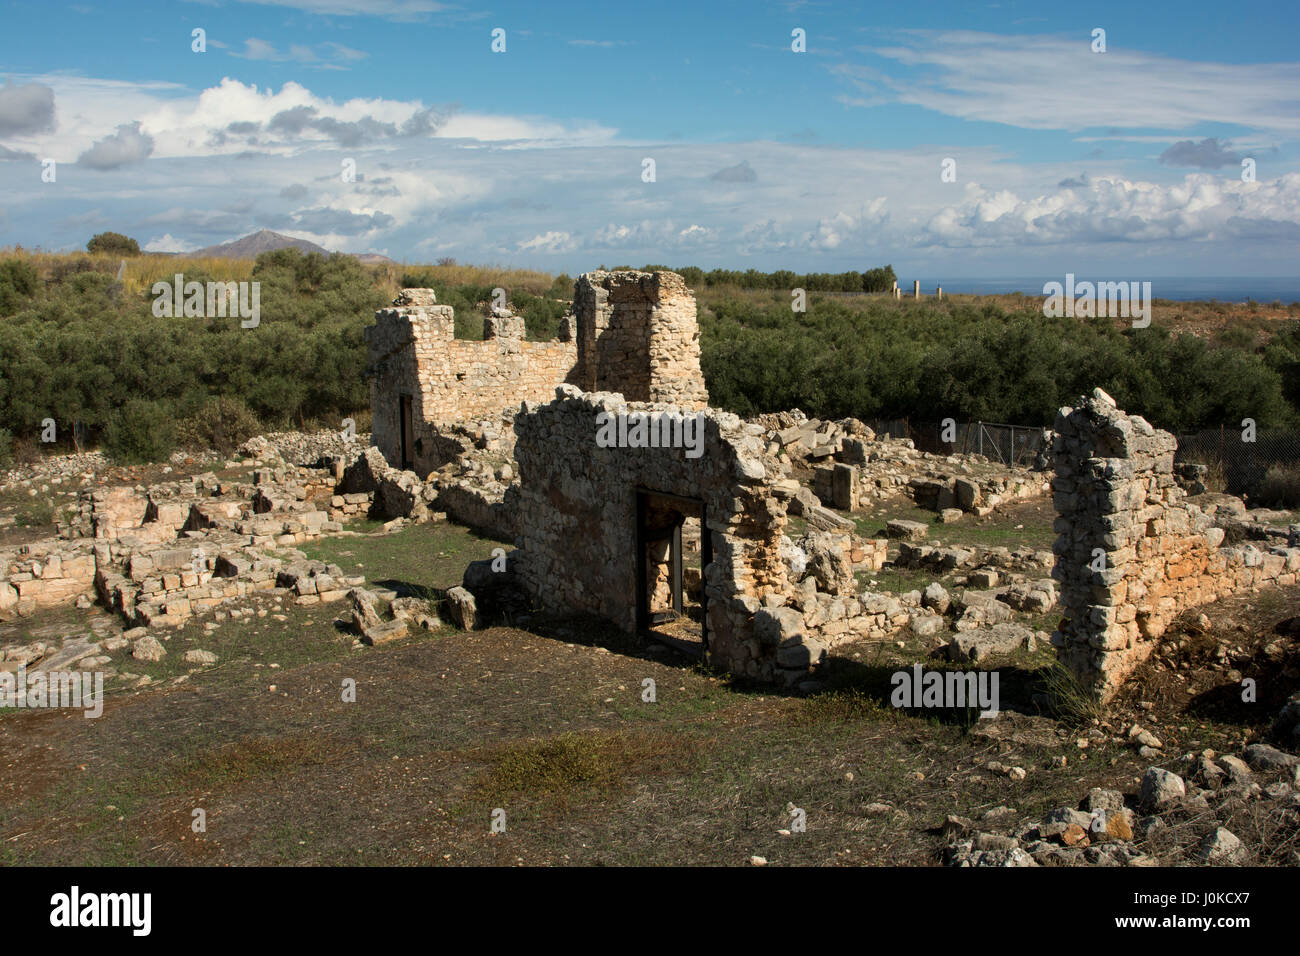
(1132, 553)
(636, 331)
(773, 606)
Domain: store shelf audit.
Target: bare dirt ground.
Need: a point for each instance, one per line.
(549, 725)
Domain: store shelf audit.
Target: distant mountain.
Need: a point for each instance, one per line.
(258, 242)
(371, 258)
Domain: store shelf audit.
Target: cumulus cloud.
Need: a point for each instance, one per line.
(14, 154)
(26, 109)
(294, 191)
(305, 121)
(551, 241)
(845, 228)
(1207, 154)
(128, 145)
(1112, 209)
(168, 243)
(232, 117)
(1080, 183)
(740, 173)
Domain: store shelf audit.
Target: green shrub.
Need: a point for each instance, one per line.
(418, 279)
(222, 424)
(113, 243)
(140, 432)
(6, 449)
(19, 281)
(561, 288)
(1280, 487)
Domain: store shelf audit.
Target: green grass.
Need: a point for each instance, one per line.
(244, 647)
(422, 557)
(995, 534)
(897, 580)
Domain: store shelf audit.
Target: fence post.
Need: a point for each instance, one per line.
(980, 436)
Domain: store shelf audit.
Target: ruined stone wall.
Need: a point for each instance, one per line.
(45, 574)
(576, 514)
(638, 335)
(413, 351)
(1132, 553)
(636, 332)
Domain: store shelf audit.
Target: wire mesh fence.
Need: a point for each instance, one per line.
(1242, 467)
(1022, 445)
(1269, 465)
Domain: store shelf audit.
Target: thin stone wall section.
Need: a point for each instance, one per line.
(1132, 553)
(413, 353)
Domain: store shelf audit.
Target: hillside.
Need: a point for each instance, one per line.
(251, 246)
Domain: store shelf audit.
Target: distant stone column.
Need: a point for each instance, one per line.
(916, 288)
(938, 292)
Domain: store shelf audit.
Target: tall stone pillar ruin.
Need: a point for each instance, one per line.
(638, 335)
(1132, 553)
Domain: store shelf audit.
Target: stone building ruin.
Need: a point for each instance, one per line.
(1132, 552)
(634, 331)
(634, 532)
(593, 520)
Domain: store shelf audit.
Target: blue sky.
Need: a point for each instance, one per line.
(1120, 162)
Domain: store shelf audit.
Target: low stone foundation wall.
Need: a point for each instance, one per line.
(45, 574)
(478, 507)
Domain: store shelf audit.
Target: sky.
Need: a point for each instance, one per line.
(953, 139)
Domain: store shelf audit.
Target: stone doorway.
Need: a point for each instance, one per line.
(672, 551)
(408, 428)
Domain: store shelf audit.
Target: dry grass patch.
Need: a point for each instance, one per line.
(257, 758)
(571, 764)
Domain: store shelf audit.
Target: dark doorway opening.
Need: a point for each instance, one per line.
(408, 428)
(673, 547)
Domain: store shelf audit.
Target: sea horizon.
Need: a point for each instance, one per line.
(1228, 289)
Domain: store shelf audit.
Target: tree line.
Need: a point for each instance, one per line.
(77, 348)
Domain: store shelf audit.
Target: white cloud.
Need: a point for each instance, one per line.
(1111, 209)
(168, 243)
(845, 228)
(549, 242)
(1057, 82)
(183, 123)
(326, 56)
(126, 146)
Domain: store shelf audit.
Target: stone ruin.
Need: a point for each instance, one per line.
(588, 516)
(845, 462)
(1133, 552)
(611, 531)
(508, 430)
(633, 330)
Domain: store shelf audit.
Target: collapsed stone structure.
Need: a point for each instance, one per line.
(1132, 552)
(855, 468)
(588, 518)
(632, 330)
(610, 530)
(161, 555)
